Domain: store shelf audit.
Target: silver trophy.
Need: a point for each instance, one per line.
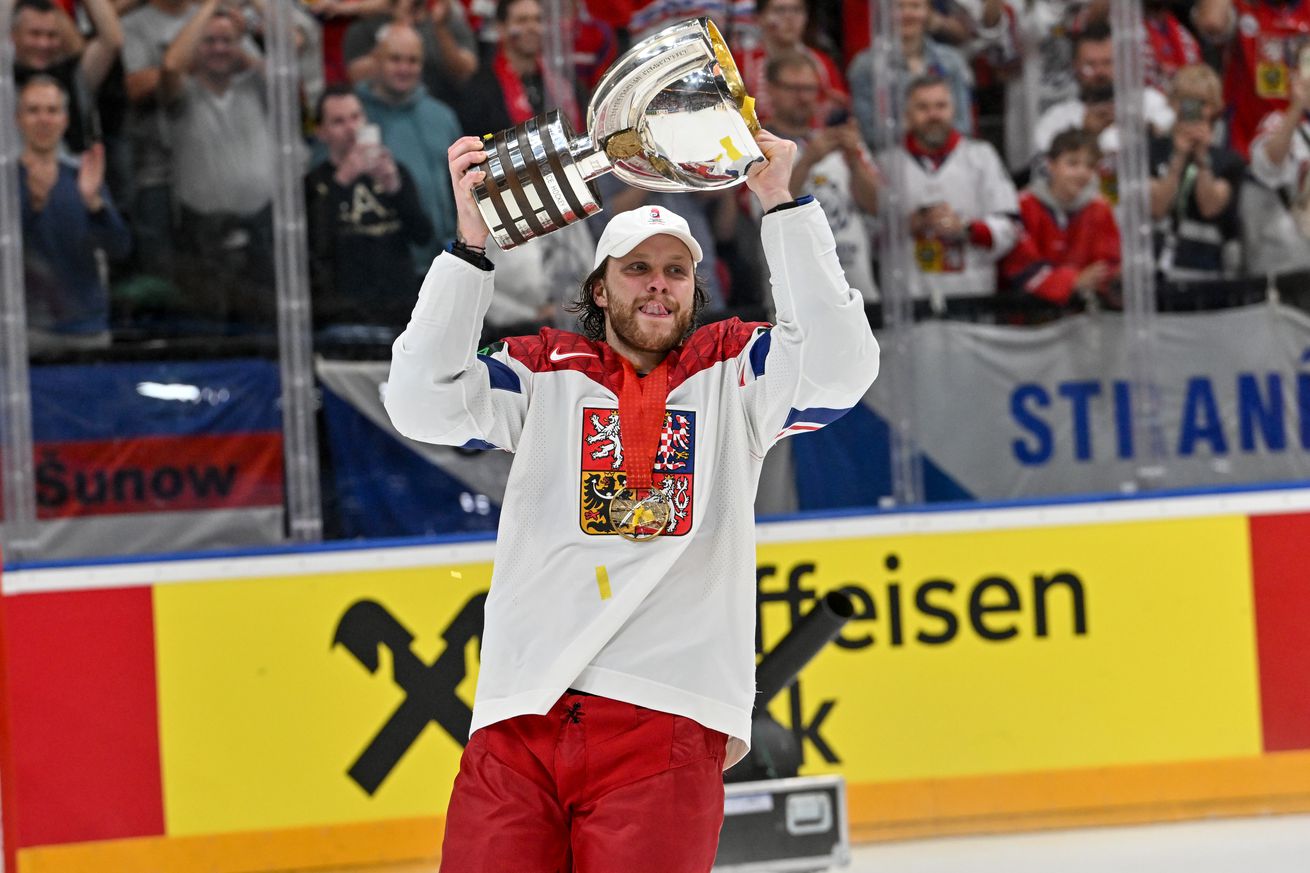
(672, 114)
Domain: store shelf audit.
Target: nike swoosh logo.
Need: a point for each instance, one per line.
(556, 355)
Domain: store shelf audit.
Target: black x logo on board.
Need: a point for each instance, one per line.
(364, 630)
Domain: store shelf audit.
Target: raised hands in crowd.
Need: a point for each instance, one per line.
(91, 177)
(471, 61)
(369, 157)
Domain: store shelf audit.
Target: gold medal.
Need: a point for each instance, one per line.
(640, 514)
(640, 511)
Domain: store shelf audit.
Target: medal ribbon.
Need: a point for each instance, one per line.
(641, 420)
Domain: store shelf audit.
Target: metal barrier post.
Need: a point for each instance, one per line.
(1138, 277)
(895, 277)
(558, 58)
(291, 263)
(16, 463)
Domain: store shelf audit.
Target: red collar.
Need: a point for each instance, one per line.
(937, 156)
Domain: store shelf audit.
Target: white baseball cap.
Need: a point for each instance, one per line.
(629, 229)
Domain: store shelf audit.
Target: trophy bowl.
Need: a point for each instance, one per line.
(672, 114)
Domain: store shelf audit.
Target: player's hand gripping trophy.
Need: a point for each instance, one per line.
(670, 115)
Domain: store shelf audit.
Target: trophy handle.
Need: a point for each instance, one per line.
(538, 179)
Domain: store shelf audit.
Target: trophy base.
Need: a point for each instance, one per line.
(534, 184)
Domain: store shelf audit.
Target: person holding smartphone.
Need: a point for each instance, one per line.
(1194, 183)
(960, 203)
(364, 213)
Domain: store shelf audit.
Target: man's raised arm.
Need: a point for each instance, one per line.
(820, 357)
(100, 53)
(440, 389)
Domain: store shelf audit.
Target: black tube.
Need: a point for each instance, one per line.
(818, 628)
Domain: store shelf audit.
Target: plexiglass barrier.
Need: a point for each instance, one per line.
(215, 218)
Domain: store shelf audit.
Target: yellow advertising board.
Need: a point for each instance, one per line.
(970, 653)
(311, 707)
(264, 708)
(1007, 651)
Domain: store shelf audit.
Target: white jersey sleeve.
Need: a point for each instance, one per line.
(441, 390)
(820, 356)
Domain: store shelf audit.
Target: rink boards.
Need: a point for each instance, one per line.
(1009, 668)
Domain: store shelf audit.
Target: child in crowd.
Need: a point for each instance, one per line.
(1070, 244)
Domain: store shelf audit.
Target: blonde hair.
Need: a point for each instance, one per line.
(1199, 81)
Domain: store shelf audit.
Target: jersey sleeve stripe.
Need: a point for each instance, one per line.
(759, 352)
(500, 375)
(817, 416)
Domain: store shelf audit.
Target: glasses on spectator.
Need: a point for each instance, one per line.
(793, 88)
(786, 10)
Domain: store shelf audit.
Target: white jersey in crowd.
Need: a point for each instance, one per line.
(1035, 33)
(669, 623)
(1062, 116)
(973, 182)
(830, 180)
(1275, 211)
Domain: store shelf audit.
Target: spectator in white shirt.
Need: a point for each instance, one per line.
(1093, 109)
(962, 204)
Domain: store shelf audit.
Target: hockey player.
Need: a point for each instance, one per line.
(617, 669)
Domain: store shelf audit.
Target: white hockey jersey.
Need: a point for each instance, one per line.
(668, 623)
(973, 181)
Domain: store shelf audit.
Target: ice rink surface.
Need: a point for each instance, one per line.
(1270, 844)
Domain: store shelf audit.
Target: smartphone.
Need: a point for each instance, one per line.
(1098, 94)
(369, 134)
(838, 117)
(1192, 109)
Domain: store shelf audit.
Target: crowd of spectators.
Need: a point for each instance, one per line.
(147, 172)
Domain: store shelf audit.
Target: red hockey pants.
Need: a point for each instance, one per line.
(593, 786)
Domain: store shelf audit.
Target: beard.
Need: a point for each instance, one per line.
(647, 336)
(933, 134)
